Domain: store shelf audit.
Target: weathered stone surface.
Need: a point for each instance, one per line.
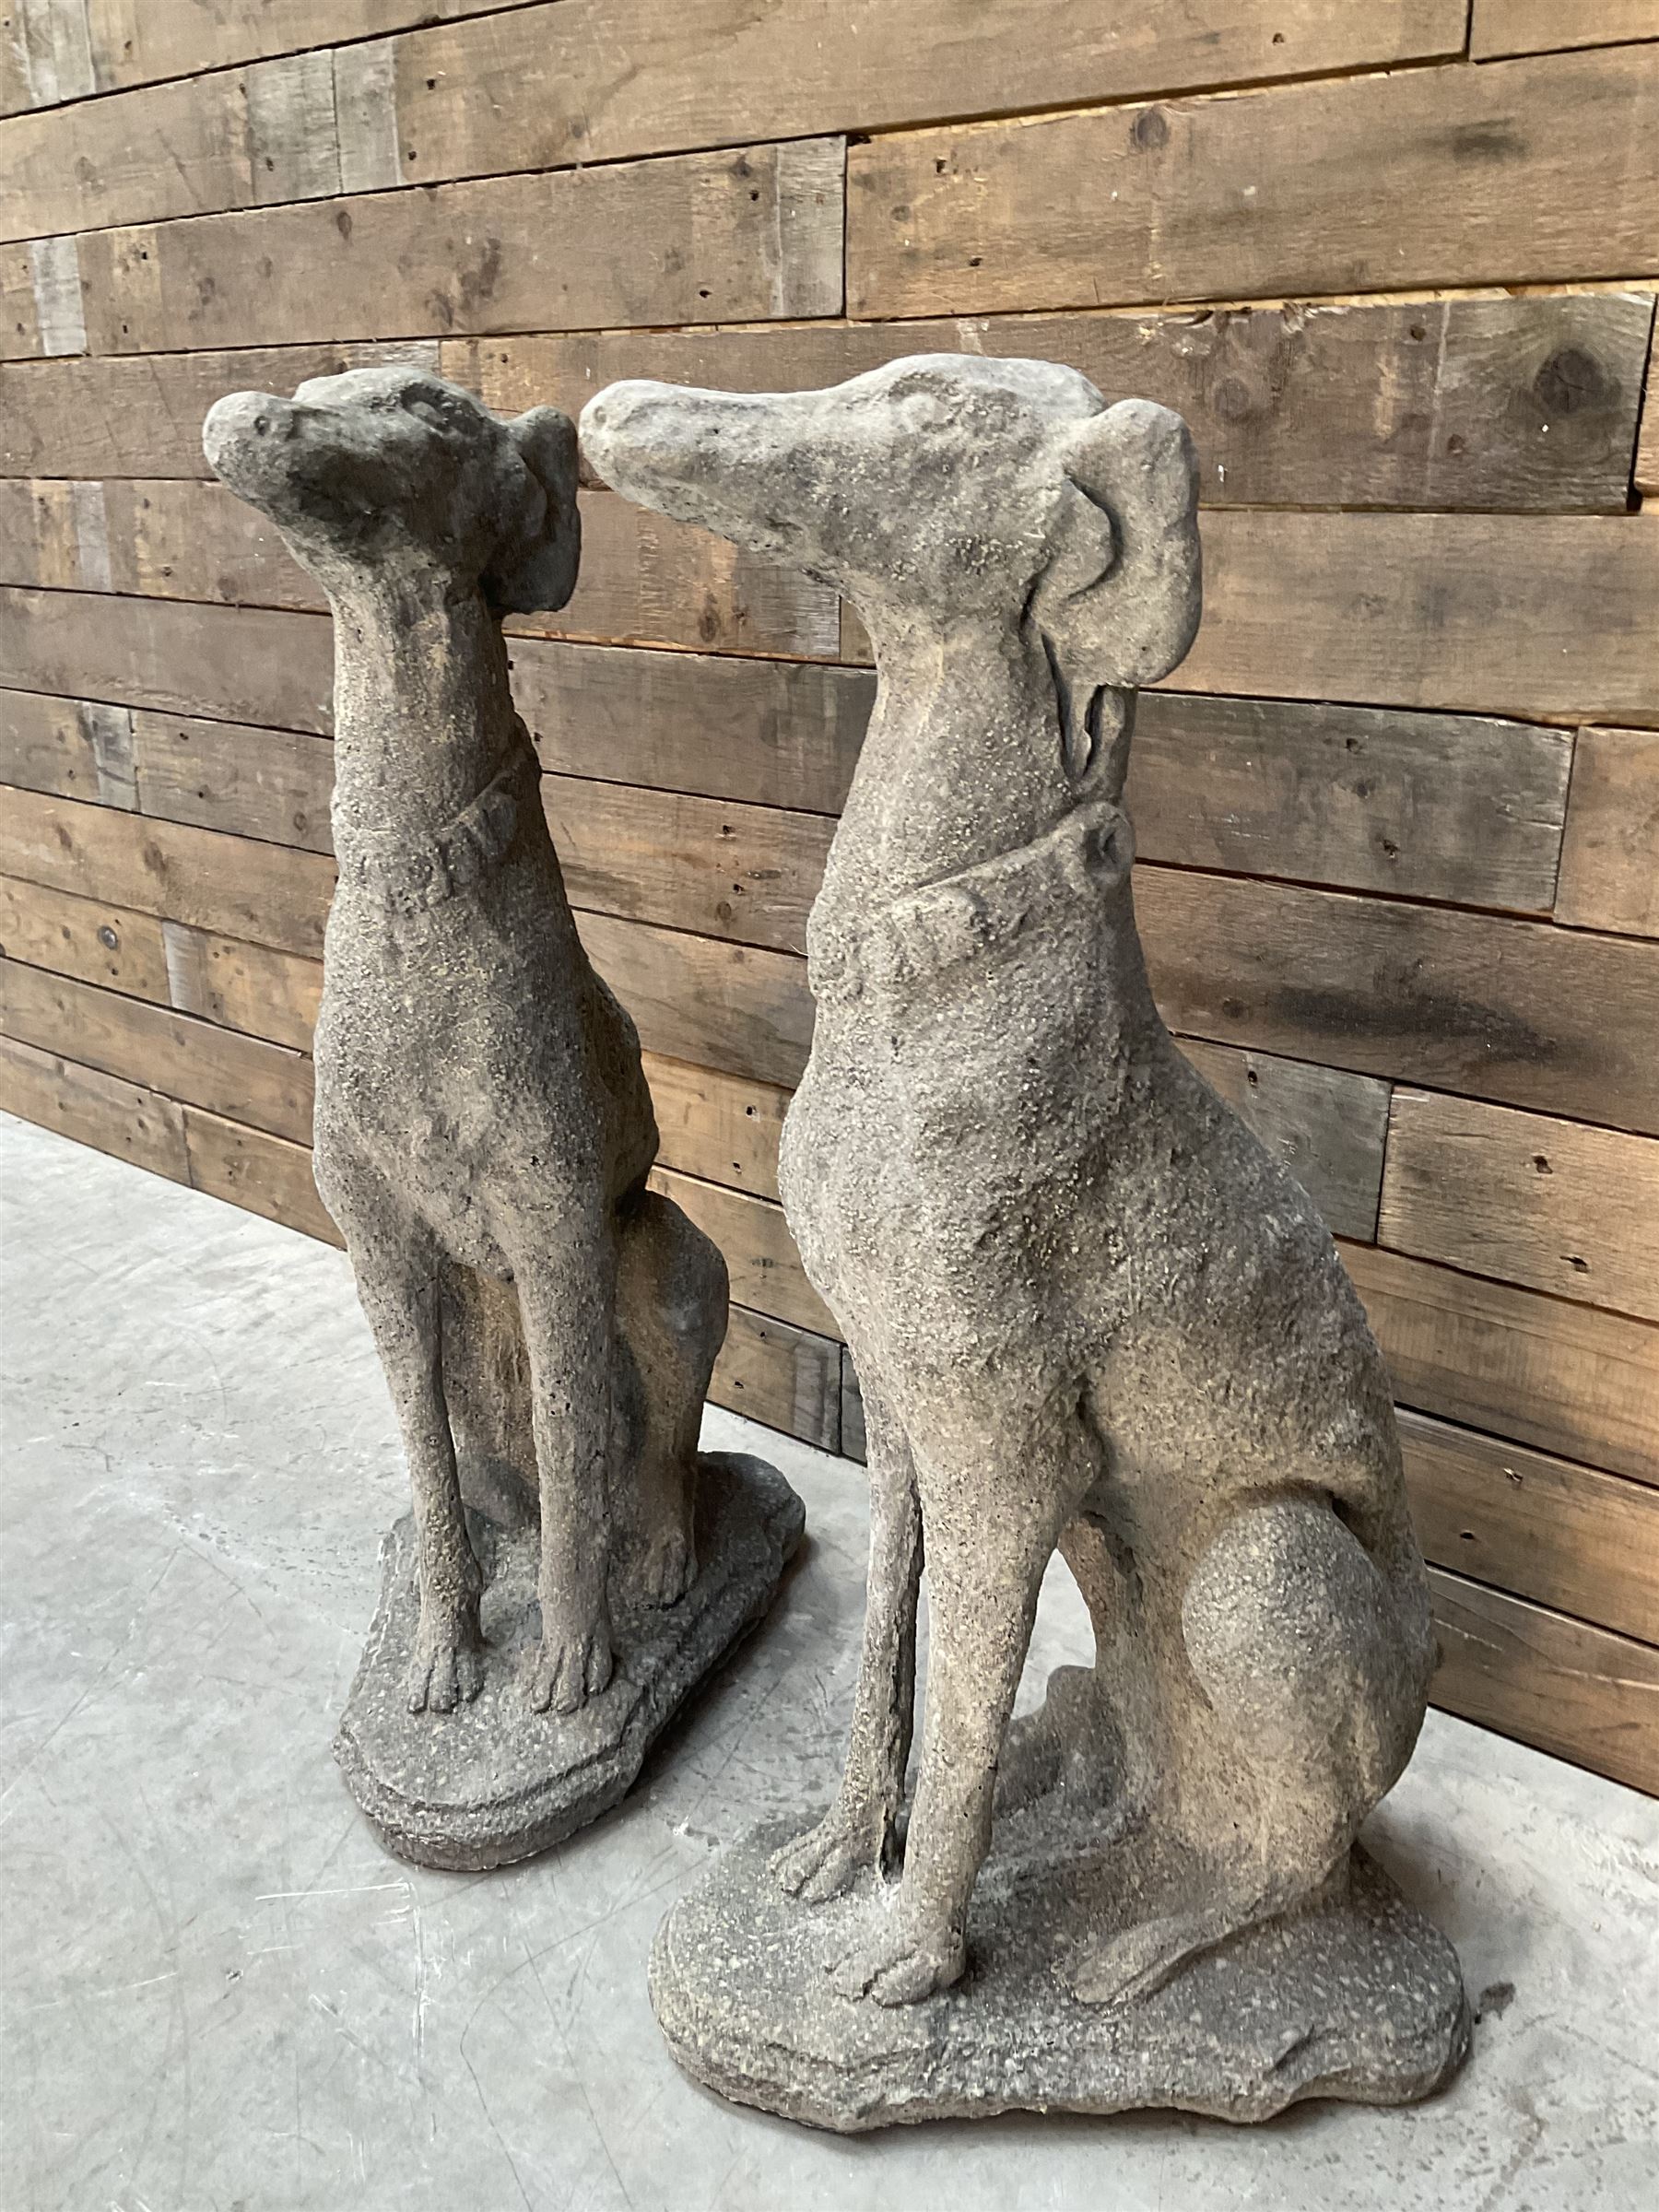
(1359, 1999)
(546, 1324)
(1088, 1308)
(495, 1781)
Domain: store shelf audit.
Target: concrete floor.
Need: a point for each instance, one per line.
(219, 1992)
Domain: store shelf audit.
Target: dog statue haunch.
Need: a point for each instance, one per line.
(483, 1128)
(1088, 1310)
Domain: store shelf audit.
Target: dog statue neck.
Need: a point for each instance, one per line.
(971, 752)
(423, 711)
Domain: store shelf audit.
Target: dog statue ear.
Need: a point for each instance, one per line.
(541, 575)
(1120, 602)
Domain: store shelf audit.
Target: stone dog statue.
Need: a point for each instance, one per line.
(1088, 1307)
(481, 1118)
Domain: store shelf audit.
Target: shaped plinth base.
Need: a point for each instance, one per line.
(1361, 1999)
(495, 1780)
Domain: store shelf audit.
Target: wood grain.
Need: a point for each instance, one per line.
(1422, 806)
(237, 138)
(759, 1251)
(1503, 26)
(191, 1061)
(1546, 615)
(88, 938)
(1524, 404)
(237, 664)
(253, 988)
(263, 893)
(727, 1007)
(139, 42)
(541, 89)
(1498, 404)
(1583, 1542)
(272, 785)
(731, 237)
(710, 866)
(1577, 1691)
(788, 1378)
(772, 733)
(719, 1127)
(1517, 1012)
(1610, 858)
(1526, 171)
(124, 417)
(1646, 472)
(1325, 1125)
(1565, 1378)
(1523, 1198)
(75, 747)
(262, 1173)
(94, 1107)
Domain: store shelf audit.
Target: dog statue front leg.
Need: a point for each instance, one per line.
(568, 1300)
(861, 1828)
(397, 1277)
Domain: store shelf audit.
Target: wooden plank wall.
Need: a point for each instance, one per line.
(1398, 814)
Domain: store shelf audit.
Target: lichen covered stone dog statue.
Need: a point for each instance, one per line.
(1088, 1311)
(483, 1137)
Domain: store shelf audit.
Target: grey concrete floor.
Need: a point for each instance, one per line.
(219, 1992)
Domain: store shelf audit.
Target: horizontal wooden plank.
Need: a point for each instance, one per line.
(265, 893)
(543, 88)
(1525, 1197)
(1521, 404)
(1610, 858)
(85, 937)
(262, 1173)
(719, 1127)
(775, 733)
(729, 237)
(642, 577)
(41, 306)
(1252, 196)
(1505, 27)
(1568, 1536)
(191, 1061)
(253, 988)
(1546, 615)
(76, 748)
(1566, 1377)
(710, 866)
(274, 784)
(102, 45)
(1325, 1124)
(243, 137)
(1518, 1012)
(1422, 806)
(141, 417)
(765, 1267)
(787, 1378)
(1579, 1692)
(94, 1107)
(238, 664)
(744, 1011)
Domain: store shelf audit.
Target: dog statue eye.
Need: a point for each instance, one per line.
(436, 412)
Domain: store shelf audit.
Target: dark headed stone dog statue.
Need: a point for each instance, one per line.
(483, 1127)
(1088, 1310)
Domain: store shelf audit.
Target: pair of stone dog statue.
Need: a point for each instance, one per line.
(1088, 1311)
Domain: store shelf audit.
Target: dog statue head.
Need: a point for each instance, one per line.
(382, 469)
(944, 487)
